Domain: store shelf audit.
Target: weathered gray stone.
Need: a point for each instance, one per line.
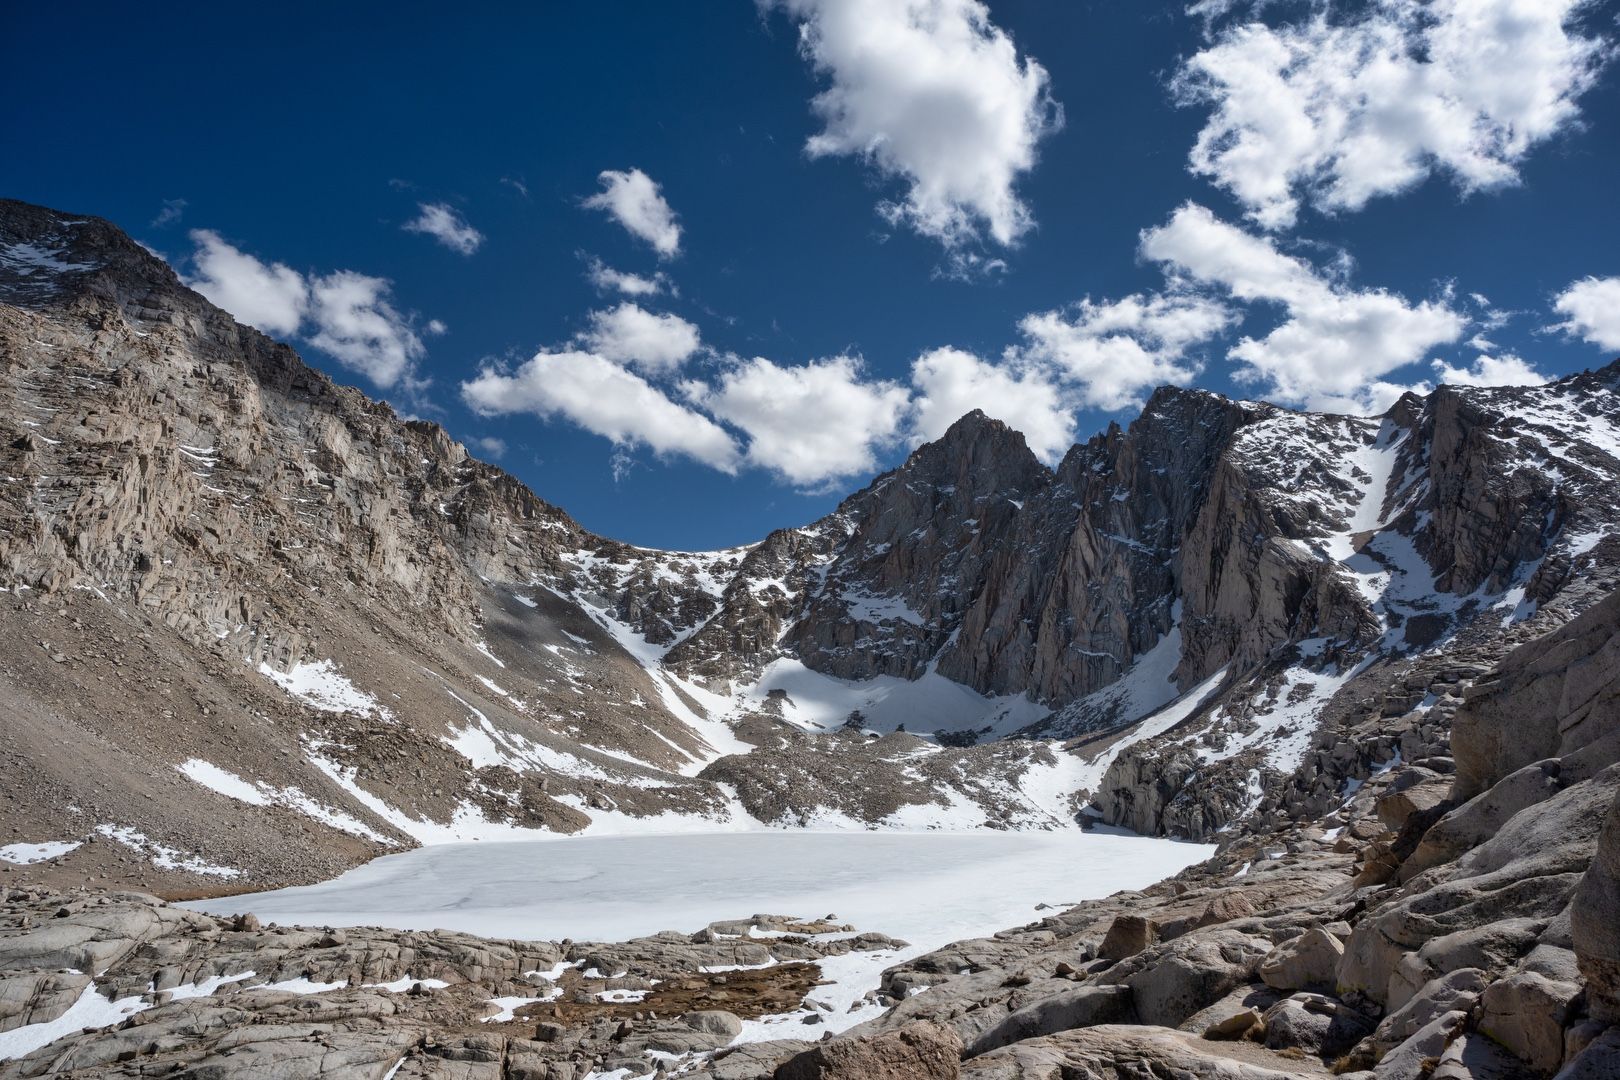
(914, 1052)
(1310, 961)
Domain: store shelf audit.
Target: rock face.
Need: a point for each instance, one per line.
(1551, 699)
(1595, 923)
(1469, 937)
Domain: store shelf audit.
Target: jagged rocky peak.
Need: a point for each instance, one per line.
(975, 458)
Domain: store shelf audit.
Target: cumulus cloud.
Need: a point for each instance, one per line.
(950, 382)
(1338, 111)
(347, 315)
(1114, 351)
(809, 424)
(604, 398)
(629, 334)
(633, 199)
(1592, 310)
(271, 297)
(446, 225)
(1335, 344)
(355, 323)
(930, 92)
(607, 279)
(1505, 370)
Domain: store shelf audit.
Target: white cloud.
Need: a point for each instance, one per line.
(1593, 309)
(347, 315)
(1335, 345)
(271, 297)
(634, 200)
(951, 383)
(442, 222)
(809, 424)
(934, 93)
(1336, 112)
(633, 335)
(1114, 351)
(1504, 370)
(356, 325)
(604, 398)
(607, 279)
(490, 445)
(173, 210)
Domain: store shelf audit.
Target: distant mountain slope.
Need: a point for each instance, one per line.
(256, 628)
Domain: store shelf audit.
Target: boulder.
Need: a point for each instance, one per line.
(1084, 1006)
(1598, 1060)
(1111, 1052)
(1526, 1012)
(1414, 1057)
(750, 1061)
(1234, 1025)
(1546, 699)
(1315, 1024)
(714, 1022)
(1127, 935)
(1479, 819)
(1472, 1056)
(1488, 908)
(1595, 920)
(918, 1051)
(1176, 979)
(1456, 991)
(1306, 962)
(1413, 791)
(33, 997)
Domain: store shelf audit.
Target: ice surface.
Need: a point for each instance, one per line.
(926, 888)
(611, 888)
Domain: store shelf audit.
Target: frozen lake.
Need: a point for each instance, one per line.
(925, 887)
(928, 888)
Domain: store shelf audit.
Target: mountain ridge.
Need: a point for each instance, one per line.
(440, 644)
(256, 630)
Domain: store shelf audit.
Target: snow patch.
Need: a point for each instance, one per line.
(321, 686)
(260, 793)
(91, 1011)
(162, 857)
(28, 854)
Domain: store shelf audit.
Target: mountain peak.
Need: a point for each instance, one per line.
(978, 450)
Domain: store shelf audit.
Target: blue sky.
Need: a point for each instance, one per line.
(848, 221)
